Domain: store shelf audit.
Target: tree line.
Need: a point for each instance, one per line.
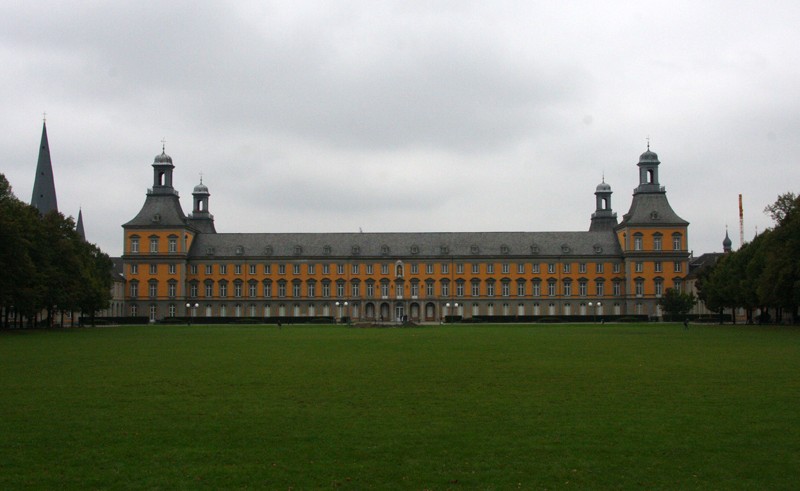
(47, 271)
(763, 276)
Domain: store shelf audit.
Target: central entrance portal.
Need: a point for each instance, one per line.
(399, 312)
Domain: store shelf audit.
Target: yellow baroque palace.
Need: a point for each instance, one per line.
(179, 266)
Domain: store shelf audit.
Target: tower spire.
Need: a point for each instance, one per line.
(79, 225)
(44, 186)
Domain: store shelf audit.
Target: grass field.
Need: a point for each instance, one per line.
(455, 407)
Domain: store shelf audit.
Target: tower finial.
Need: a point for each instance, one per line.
(201, 178)
(648, 142)
(163, 145)
(44, 117)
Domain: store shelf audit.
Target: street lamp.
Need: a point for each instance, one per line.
(193, 311)
(455, 308)
(342, 306)
(596, 308)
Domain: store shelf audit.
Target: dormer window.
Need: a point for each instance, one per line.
(355, 250)
(414, 249)
(504, 249)
(239, 250)
(385, 250)
(326, 250)
(298, 250)
(267, 250)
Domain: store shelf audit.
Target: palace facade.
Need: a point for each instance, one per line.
(177, 265)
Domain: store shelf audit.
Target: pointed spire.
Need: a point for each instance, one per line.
(79, 225)
(44, 187)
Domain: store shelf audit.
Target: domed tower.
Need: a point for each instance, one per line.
(726, 243)
(654, 242)
(603, 217)
(156, 247)
(200, 218)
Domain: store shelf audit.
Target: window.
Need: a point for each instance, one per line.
(384, 269)
(535, 268)
(311, 289)
(295, 269)
(429, 268)
(428, 288)
(520, 288)
(551, 288)
(445, 268)
(567, 267)
(490, 268)
(476, 269)
(193, 290)
(223, 290)
(223, 269)
(193, 269)
(459, 288)
(476, 289)
(251, 289)
(582, 288)
(599, 268)
(311, 269)
(414, 268)
(281, 269)
(153, 289)
(677, 284)
(355, 289)
(134, 245)
(172, 244)
(172, 289)
(639, 287)
(134, 269)
(237, 289)
(326, 269)
(677, 243)
(617, 267)
(267, 289)
(551, 268)
(639, 266)
(657, 242)
(567, 288)
(326, 289)
(267, 269)
(637, 242)
(340, 289)
(340, 269)
(385, 289)
(677, 266)
(536, 290)
(460, 268)
(490, 288)
(281, 289)
(599, 288)
(252, 269)
(506, 268)
(445, 289)
(582, 268)
(657, 266)
(354, 269)
(521, 268)
(296, 289)
(659, 287)
(134, 289)
(371, 289)
(414, 289)
(171, 268)
(617, 288)
(153, 244)
(505, 288)
(369, 269)
(209, 289)
(153, 269)
(171, 310)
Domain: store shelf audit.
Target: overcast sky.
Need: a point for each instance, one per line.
(405, 116)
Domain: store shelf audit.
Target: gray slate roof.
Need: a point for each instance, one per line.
(159, 210)
(642, 207)
(405, 244)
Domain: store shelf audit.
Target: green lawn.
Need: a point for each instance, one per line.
(455, 407)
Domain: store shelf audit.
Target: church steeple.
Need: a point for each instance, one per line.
(79, 225)
(200, 217)
(44, 187)
(162, 173)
